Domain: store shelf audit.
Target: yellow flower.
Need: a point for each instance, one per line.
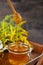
(12, 35)
(24, 31)
(27, 43)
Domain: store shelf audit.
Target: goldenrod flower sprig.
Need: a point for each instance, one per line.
(11, 30)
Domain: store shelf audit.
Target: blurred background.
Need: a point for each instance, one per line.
(32, 12)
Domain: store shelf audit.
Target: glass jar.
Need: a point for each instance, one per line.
(18, 54)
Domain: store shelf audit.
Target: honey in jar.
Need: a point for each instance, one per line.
(18, 54)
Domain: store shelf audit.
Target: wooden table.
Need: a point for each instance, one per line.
(36, 52)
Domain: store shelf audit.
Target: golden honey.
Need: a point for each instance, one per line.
(18, 55)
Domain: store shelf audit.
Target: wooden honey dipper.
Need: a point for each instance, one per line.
(17, 16)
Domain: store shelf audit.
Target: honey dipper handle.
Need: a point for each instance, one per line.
(11, 6)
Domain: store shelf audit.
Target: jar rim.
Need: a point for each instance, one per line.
(18, 52)
(21, 52)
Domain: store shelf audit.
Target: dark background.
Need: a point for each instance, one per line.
(32, 12)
